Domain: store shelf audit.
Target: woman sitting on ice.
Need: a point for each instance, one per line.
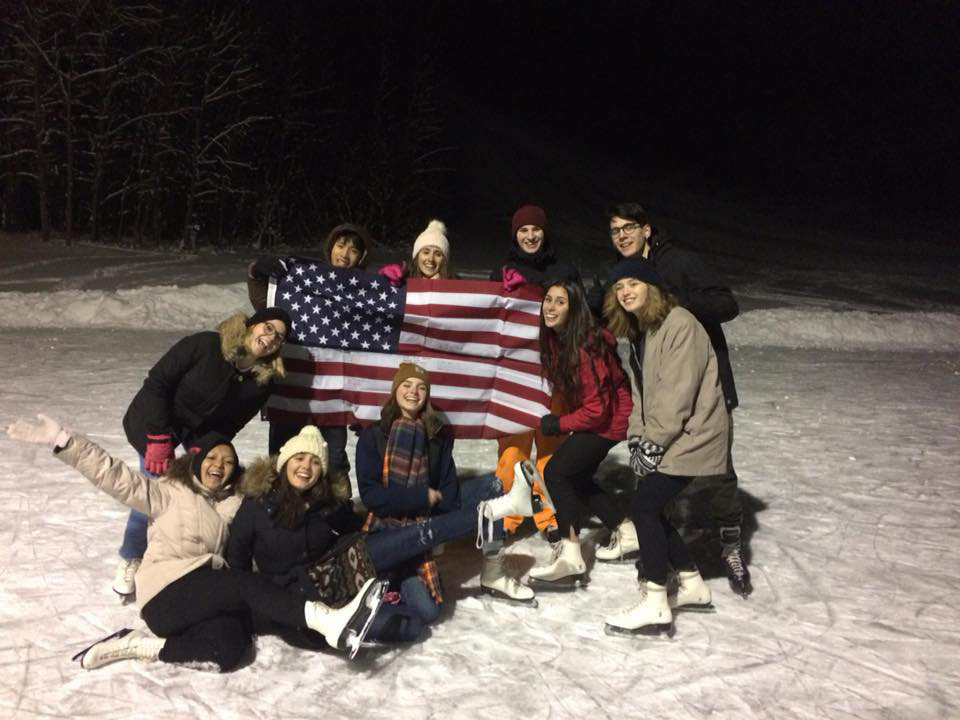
(678, 430)
(408, 481)
(199, 611)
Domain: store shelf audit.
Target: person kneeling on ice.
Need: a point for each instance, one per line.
(199, 610)
(579, 359)
(408, 481)
(297, 523)
(678, 430)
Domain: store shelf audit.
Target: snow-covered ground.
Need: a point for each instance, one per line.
(847, 443)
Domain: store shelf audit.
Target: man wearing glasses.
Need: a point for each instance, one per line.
(702, 293)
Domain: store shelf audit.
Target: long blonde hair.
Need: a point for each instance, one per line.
(650, 316)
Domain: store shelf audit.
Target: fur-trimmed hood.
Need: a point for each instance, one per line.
(258, 480)
(233, 333)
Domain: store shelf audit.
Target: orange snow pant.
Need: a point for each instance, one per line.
(517, 448)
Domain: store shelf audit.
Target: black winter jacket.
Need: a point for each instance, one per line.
(700, 291)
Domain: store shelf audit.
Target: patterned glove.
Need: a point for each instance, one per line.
(267, 266)
(159, 454)
(645, 456)
(550, 425)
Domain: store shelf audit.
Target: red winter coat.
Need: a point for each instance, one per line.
(605, 403)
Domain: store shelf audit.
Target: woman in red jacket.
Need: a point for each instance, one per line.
(580, 360)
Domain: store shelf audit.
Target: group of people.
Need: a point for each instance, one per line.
(216, 554)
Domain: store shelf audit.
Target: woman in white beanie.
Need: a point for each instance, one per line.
(430, 258)
(297, 519)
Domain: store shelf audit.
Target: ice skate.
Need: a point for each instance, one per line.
(651, 616)
(123, 579)
(623, 545)
(346, 627)
(518, 501)
(495, 581)
(732, 555)
(691, 594)
(124, 644)
(565, 571)
(529, 471)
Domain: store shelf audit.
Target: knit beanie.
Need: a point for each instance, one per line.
(269, 313)
(435, 235)
(205, 444)
(308, 440)
(408, 370)
(636, 267)
(528, 215)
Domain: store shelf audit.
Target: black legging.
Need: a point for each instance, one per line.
(206, 615)
(660, 543)
(569, 479)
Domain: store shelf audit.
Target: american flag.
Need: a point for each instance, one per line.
(351, 330)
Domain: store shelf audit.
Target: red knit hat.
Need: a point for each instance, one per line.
(528, 215)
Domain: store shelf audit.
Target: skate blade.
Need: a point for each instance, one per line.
(567, 584)
(371, 604)
(743, 591)
(118, 634)
(628, 559)
(708, 608)
(645, 631)
(504, 598)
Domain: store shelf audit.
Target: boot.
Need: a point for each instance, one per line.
(345, 628)
(732, 555)
(567, 563)
(518, 501)
(125, 644)
(652, 614)
(691, 593)
(495, 580)
(623, 542)
(123, 584)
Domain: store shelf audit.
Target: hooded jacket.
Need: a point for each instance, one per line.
(679, 405)
(195, 388)
(281, 554)
(189, 523)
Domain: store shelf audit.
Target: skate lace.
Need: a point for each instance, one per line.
(616, 542)
(130, 570)
(734, 561)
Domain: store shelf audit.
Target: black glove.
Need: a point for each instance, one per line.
(550, 425)
(645, 456)
(267, 266)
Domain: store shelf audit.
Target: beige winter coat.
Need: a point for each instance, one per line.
(680, 406)
(188, 524)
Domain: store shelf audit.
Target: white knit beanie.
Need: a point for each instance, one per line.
(308, 440)
(435, 235)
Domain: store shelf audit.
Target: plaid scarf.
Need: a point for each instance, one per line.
(406, 462)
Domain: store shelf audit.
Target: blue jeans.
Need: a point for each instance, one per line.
(389, 547)
(134, 543)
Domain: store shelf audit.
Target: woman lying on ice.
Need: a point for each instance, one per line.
(678, 430)
(408, 481)
(580, 360)
(298, 525)
(207, 382)
(198, 610)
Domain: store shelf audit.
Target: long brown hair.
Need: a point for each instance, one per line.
(560, 351)
(292, 505)
(650, 316)
(430, 417)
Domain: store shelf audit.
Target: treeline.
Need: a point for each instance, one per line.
(235, 123)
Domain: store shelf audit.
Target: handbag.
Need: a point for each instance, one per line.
(339, 573)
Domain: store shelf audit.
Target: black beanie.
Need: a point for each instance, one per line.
(205, 444)
(636, 267)
(269, 313)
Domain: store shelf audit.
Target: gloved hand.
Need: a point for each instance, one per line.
(45, 432)
(645, 456)
(268, 266)
(159, 454)
(394, 272)
(550, 425)
(512, 279)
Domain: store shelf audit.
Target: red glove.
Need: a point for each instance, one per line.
(512, 279)
(395, 273)
(159, 454)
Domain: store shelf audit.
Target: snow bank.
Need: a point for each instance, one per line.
(203, 306)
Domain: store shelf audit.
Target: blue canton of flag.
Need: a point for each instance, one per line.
(342, 309)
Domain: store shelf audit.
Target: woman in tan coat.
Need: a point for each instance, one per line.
(200, 610)
(678, 430)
